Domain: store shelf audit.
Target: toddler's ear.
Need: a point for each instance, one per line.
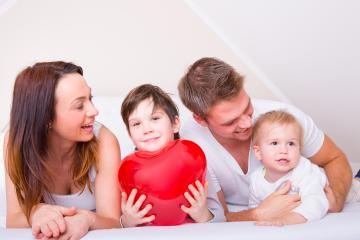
(257, 152)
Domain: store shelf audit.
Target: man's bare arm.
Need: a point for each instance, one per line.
(276, 205)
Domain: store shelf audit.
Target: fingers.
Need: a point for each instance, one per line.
(61, 224)
(190, 199)
(185, 209)
(284, 189)
(36, 230)
(130, 200)
(139, 202)
(54, 228)
(147, 219)
(67, 211)
(145, 210)
(46, 230)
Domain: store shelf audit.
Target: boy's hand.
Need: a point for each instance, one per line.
(198, 209)
(131, 213)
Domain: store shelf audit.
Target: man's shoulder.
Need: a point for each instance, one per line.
(264, 105)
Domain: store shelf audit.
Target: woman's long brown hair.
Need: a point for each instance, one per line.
(33, 108)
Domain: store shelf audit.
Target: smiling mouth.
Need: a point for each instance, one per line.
(87, 126)
(242, 131)
(151, 139)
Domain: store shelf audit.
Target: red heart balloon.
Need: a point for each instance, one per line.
(164, 177)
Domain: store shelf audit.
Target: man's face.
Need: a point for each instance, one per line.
(231, 119)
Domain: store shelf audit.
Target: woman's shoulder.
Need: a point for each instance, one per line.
(108, 145)
(102, 133)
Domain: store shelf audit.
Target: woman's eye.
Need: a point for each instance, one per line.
(155, 118)
(135, 124)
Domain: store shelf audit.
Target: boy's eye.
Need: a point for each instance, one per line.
(274, 143)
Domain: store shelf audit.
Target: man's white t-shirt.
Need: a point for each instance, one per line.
(307, 180)
(224, 173)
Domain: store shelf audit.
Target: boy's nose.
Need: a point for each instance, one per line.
(147, 128)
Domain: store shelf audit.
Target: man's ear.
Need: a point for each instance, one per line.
(257, 152)
(200, 120)
(176, 124)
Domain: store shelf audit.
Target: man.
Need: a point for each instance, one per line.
(223, 116)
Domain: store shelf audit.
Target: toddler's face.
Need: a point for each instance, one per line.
(151, 129)
(278, 147)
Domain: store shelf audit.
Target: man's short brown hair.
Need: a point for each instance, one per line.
(207, 82)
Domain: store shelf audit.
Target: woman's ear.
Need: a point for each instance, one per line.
(257, 152)
(176, 124)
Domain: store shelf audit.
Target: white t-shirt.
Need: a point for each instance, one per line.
(307, 180)
(224, 173)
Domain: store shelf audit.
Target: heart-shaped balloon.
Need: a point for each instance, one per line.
(164, 177)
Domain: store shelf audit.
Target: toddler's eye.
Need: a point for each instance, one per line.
(292, 143)
(274, 143)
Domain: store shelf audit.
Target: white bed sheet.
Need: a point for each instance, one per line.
(344, 225)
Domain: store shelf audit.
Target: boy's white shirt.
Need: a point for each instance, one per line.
(306, 179)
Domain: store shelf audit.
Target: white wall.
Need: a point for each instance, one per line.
(306, 51)
(120, 44)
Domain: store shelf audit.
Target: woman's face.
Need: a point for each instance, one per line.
(74, 111)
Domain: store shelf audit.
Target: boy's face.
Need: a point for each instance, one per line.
(278, 147)
(151, 129)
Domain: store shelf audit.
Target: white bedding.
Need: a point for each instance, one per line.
(344, 225)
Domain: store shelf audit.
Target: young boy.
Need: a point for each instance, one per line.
(277, 141)
(152, 120)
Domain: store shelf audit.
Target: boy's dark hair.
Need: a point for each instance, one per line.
(157, 95)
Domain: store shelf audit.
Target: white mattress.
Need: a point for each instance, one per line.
(344, 225)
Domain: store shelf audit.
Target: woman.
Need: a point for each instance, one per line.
(61, 164)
